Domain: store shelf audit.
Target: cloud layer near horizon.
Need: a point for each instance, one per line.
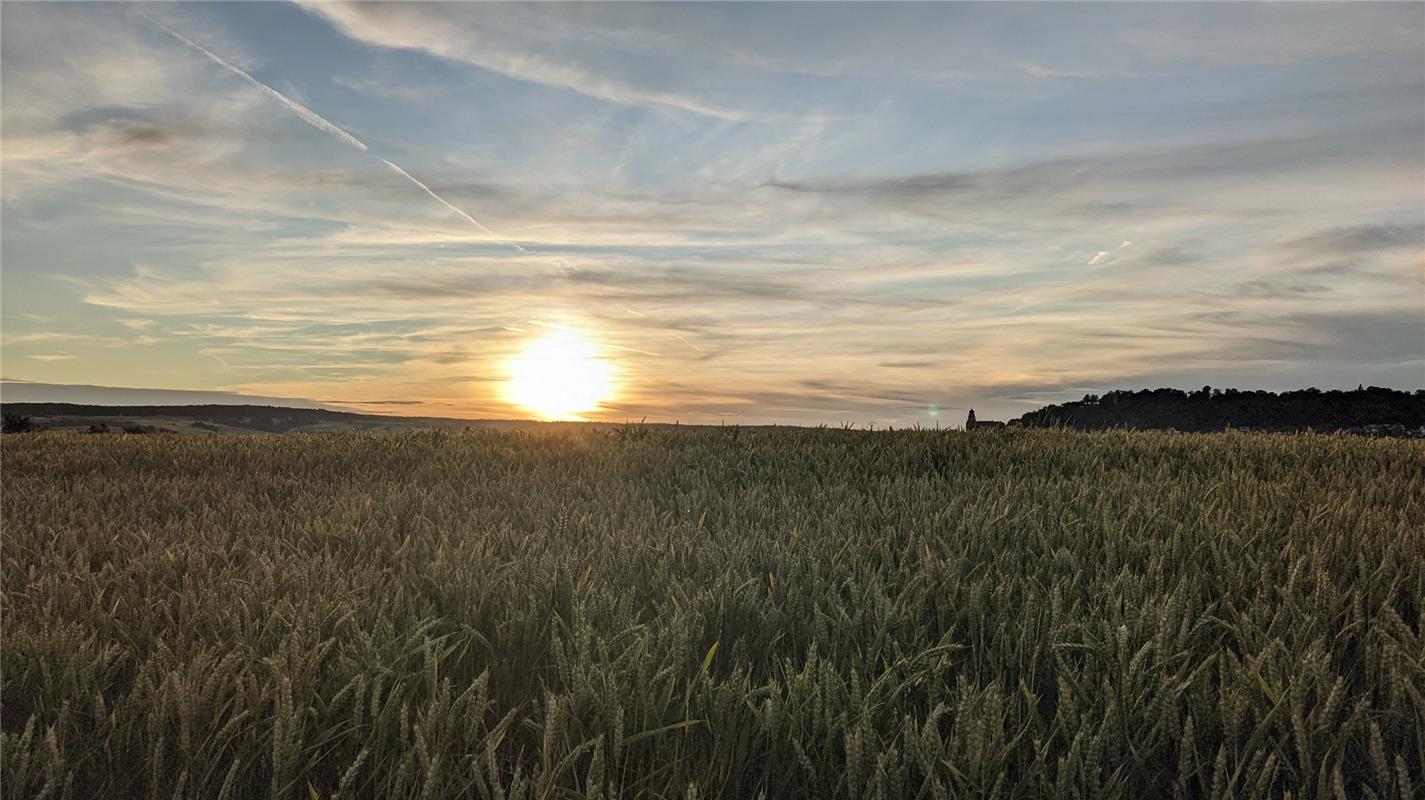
(767, 212)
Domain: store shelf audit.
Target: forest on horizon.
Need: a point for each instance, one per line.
(1372, 410)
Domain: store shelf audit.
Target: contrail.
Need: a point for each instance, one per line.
(679, 337)
(408, 176)
(674, 334)
(327, 126)
(308, 115)
(635, 350)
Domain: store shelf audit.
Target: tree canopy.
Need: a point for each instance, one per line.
(1373, 409)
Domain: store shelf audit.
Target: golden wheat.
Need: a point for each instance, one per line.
(713, 613)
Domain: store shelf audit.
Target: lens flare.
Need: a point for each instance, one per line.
(560, 375)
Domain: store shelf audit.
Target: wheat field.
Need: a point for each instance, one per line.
(713, 613)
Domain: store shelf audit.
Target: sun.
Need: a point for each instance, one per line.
(560, 375)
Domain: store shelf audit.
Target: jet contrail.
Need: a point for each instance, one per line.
(308, 115)
(635, 350)
(327, 126)
(408, 176)
(679, 337)
(323, 124)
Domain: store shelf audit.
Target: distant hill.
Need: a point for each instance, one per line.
(18, 391)
(1371, 411)
(232, 419)
(219, 418)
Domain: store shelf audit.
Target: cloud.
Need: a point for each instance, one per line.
(308, 116)
(1387, 337)
(49, 357)
(877, 243)
(1039, 71)
(1268, 288)
(1128, 184)
(385, 85)
(459, 35)
(588, 49)
(1173, 255)
(76, 340)
(125, 134)
(323, 124)
(46, 336)
(1358, 239)
(57, 64)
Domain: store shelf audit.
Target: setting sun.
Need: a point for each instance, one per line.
(560, 375)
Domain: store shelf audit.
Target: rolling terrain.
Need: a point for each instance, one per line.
(244, 419)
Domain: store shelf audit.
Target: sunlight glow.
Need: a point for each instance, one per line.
(560, 375)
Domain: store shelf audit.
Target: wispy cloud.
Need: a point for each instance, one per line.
(309, 116)
(460, 37)
(321, 123)
(1356, 239)
(881, 241)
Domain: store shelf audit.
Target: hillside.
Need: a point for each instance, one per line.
(1370, 411)
(218, 418)
(235, 419)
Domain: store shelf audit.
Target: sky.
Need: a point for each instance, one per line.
(760, 213)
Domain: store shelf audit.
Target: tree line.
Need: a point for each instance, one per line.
(1365, 409)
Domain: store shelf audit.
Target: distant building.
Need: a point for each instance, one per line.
(971, 423)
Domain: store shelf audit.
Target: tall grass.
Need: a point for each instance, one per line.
(713, 613)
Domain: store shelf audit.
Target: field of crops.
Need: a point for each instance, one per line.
(713, 613)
